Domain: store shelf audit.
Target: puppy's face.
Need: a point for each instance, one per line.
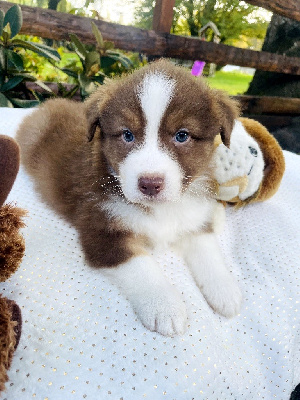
(157, 128)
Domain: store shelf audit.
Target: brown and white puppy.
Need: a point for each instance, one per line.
(130, 169)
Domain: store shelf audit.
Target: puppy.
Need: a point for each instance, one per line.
(131, 169)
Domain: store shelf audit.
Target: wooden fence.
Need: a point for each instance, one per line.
(159, 42)
(54, 25)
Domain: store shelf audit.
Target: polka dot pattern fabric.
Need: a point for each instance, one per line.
(81, 339)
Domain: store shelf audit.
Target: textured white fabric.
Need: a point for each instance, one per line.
(81, 339)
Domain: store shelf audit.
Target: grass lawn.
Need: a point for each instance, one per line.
(231, 82)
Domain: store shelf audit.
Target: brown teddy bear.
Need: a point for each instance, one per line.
(11, 253)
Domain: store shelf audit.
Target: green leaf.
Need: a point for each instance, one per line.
(97, 35)
(4, 102)
(1, 21)
(13, 17)
(95, 14)
(26, 76)
(86, 85)
(69, 72)
(2, 58)
(69, 94)
(25, 103)
(39, 97)
(2, 78)
(107, 62)
(43, 86)
(6, 35)
(72, 11)
(109, 45)
(81, 51)
(92, 60)
(48, 49)
(11, 83)
(44, 51)
(113, 52)
(123, 60)
(15, 59)
(87, 3)
(98, 78)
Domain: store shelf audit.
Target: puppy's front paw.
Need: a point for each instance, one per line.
(163, 312)
(224, 297)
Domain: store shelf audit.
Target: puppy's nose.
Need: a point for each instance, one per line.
(151, 185)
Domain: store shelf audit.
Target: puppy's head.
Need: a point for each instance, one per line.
(157, 128)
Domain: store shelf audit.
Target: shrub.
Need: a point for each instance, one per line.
(13, 91)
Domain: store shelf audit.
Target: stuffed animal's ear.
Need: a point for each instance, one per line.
(9, 165)
(92, 105)
(273, 158)
(228, 110)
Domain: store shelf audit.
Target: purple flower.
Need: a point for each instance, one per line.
(197, 68)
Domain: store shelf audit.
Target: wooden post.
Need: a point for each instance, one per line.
(163, 16)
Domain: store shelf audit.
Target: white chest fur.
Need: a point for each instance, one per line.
(164, 223)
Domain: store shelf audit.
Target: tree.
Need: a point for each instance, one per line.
(283, 37)
(232, 17)
(143, 15)
(31, 3)
(52, 4)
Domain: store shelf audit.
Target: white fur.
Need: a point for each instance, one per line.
(164, 223)
(238, 162)
(218, 286)
(156, 302)
(150, 159)
(154, 94)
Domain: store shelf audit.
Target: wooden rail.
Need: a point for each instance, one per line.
(53, 25)
(251, 105)
(269, 105)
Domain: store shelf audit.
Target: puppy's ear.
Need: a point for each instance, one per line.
(92, 113)
(229, 111)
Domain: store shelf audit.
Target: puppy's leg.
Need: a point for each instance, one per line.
(124, 259)
(217, 284)
(158, 305)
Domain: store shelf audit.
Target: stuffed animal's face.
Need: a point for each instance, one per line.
(238, 169)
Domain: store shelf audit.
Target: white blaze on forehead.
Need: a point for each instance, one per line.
(155, 93)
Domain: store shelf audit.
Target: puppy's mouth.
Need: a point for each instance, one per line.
(154, 199)
(150, 200)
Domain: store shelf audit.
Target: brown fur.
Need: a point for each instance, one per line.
(12, 242)
(10, 331)
(11, 253)
(273, 158)
(9, 165)
(71, 167)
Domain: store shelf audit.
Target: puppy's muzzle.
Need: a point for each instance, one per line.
(151, 185)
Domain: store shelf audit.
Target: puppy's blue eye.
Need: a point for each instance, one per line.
(181, 136)
(128, 135)
(253, 151)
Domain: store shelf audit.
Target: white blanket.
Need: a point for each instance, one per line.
(81, 339)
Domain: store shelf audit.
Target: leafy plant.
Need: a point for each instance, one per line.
(95, 61)
(13, 76)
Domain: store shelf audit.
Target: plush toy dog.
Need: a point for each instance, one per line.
(11, 252)
(252, 168)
